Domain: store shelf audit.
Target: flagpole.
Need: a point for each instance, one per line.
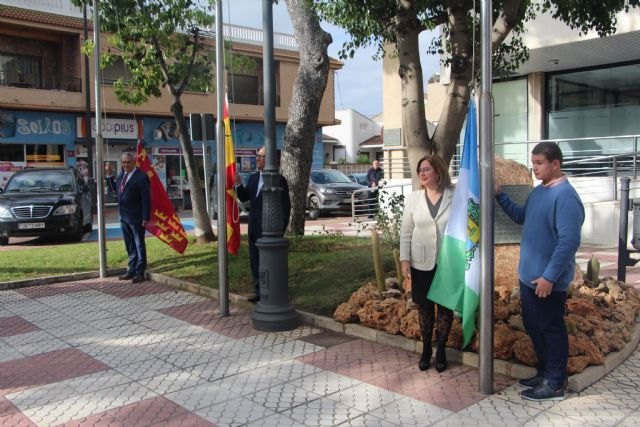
(99, 164)
(486, 206)
(221, 169)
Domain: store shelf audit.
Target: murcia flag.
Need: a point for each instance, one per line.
(164, 223)
(231, 201)
(456, 284)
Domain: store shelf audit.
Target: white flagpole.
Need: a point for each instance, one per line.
(102, 244)
(222, 167)
(485, 362)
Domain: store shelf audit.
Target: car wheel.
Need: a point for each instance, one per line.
(4, 241)
(314, 212)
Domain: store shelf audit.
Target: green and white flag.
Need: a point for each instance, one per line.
(456, 284)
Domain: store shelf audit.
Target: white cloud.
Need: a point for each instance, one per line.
(358, 84)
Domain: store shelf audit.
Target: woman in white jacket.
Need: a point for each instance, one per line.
(425, 216)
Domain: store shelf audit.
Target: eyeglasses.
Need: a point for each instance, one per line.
(261, 156)
(424, 170)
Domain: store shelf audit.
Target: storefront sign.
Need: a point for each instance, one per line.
(175, 151)
(112, 128)
(36, 127)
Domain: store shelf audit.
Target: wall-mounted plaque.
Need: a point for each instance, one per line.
(392, 137)
(504, 229)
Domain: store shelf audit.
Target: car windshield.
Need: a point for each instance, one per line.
(34, 181)
(360, 178)
(329, 177)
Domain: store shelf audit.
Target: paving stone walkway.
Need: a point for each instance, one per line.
(102, 352)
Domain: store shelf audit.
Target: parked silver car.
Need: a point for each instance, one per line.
(330, 191)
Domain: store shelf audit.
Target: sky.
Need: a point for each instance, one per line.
(358, 84)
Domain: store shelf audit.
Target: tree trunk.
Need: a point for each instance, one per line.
(456, 103)
(308, 89)
(202, 223)
(414, 123)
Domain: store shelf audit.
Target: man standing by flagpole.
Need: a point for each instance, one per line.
(134, 206)
(456, 284)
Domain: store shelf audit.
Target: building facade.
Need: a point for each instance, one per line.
(356, 137)
(47, 99)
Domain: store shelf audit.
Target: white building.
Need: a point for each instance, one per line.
(356, 136)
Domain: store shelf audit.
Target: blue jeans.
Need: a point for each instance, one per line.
(544, 322)
(136, 247)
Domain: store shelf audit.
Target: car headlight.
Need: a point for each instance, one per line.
(65, 210)
(4, 213)
(327, 190)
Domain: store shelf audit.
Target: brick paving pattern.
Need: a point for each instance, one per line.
(102, 352)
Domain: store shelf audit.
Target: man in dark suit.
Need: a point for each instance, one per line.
(253, 192)
(134, 206)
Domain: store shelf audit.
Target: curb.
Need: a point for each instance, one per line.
(577, 382)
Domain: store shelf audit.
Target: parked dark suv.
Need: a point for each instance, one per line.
(330, 191)
(45, 202)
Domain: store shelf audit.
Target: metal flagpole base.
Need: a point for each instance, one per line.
(274, 313)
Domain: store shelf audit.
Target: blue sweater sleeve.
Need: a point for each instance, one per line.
(512, 209)
(569, 216)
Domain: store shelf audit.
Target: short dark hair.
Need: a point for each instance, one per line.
(440, 167)
(550, 150)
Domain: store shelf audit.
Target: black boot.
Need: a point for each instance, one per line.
(425, 359)
(426, 330)
(441, 357)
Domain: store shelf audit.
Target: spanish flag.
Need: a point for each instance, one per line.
(231, 201)
(164, 223)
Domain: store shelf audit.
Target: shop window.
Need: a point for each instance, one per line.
(248, 88)
(11, 153)
(45, 155)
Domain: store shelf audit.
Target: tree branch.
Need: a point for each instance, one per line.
(505, 22)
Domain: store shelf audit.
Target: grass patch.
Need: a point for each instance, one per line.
(323, 269)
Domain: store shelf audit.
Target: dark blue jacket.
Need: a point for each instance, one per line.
(250, 192)
(134, 202)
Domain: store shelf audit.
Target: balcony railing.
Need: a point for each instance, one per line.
(69, 84)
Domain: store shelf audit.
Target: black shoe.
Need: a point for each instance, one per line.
(532, 382)
(425, 359)
(441, 358)
(543, 392)
(139, 278)
(127, 276)
(254, 299)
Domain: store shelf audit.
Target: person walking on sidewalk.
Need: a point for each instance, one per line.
(134, 206)
(253, 193)
(425, 217)
(552, 217)
(374, 176)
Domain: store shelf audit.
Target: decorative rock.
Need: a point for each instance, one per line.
(516, 323)
(577, 364)
(410, 325)
(583, 308)
(364, 294)
(382, 315)
(503, 339)
(346, 313)
(392, 293)
(391, 283)
(523, 351)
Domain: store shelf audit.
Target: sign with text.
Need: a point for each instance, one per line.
(112, 128)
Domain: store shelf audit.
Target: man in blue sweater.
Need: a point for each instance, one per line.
(552, 218)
